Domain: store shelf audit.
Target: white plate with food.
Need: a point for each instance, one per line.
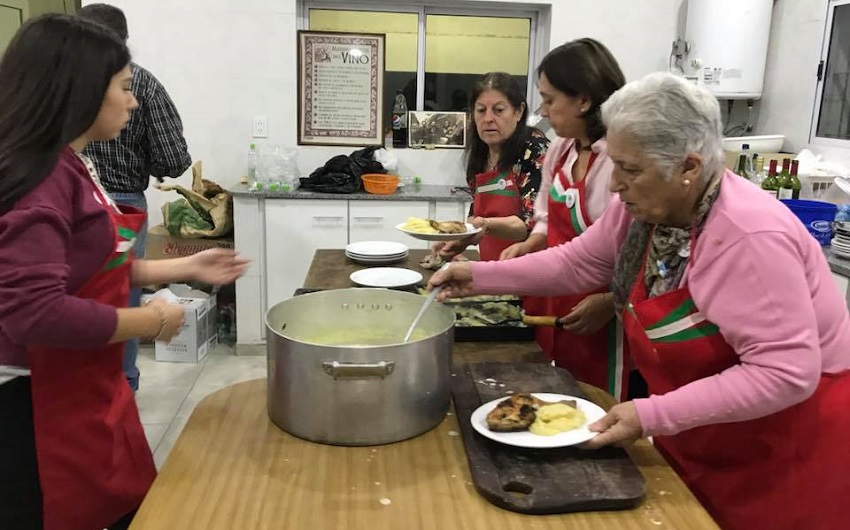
(429, 230)
(386, 277)
(573, 414)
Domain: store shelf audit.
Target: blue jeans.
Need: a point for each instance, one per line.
(131, 347)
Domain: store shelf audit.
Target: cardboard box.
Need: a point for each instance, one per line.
(162, 245)
(198, 335)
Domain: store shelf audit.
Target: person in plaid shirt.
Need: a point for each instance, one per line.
(152, 144)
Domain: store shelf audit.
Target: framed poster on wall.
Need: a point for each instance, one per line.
(340, 88)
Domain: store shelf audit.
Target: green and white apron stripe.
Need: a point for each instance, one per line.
(497, 186)
(123, 248)
(495, 189)
(689, 327)
(577, 218)
(615, 358)
(679, 312)
(704, 330)
(557, 190)
(559, 194)
(116, 261)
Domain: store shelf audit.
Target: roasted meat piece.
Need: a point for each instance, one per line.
(448, 227)
(513, 414)
(431, 262)
(518, 412)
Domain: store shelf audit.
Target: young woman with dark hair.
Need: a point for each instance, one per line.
(503, 163)
(73, 454)
(574, 80)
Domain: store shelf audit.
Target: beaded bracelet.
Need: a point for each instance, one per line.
(163, 321)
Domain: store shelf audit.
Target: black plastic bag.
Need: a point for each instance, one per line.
(365, 158)
(341, 174)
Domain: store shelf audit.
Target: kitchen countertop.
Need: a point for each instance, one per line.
(414, 193)
(438, 193)
(232, 468)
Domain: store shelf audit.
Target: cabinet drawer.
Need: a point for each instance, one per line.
(376, 221)
(295, 229)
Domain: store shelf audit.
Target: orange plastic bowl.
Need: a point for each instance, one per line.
(380, 184)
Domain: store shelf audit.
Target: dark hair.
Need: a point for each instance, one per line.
(53, 78)
(106, 15)
(584, 67)
(477, 151)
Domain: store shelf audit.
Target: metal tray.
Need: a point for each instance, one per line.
(491, 333)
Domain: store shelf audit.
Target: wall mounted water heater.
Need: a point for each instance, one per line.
(726, 46)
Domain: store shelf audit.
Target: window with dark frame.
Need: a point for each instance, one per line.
(456, 49)
(833, 112)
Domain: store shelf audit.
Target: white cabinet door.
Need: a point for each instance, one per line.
(376, 221)
(295, 229)
(250, 293)
(451, 211)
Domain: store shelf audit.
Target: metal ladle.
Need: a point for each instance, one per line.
(431, 296)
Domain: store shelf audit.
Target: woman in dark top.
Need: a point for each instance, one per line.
(503, 167)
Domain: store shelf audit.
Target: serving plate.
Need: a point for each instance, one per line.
(528, 439)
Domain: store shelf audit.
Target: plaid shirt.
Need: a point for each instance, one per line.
(152, 144)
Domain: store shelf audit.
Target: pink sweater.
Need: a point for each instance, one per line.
(757, 274)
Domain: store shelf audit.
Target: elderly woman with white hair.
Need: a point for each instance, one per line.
(729, 308)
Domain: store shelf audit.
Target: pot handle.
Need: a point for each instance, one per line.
(338, 370)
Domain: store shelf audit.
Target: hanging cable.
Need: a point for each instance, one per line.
(749, 127)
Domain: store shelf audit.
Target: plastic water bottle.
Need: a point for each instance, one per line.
(399, 120)
(748, 163)
(251, 173)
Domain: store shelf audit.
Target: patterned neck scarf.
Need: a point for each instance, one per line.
(669, 249)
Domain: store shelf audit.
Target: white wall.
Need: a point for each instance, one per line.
(796, 38)
(225, 61)
(790, 85)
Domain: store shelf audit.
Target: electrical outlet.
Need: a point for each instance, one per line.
(261, 127)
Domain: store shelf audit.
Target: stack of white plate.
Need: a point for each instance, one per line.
(376, 252)
(841, 241)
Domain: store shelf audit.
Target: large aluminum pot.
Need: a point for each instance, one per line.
(339, 373)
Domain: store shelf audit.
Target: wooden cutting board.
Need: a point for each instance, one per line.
(538, 481)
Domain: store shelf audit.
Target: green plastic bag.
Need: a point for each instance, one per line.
(204, 211)
(180, 217)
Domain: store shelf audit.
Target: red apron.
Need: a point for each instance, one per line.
(786, 471)
(496, 195)
(597, 358)
(94, 462)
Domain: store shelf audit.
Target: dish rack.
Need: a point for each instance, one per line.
(820, 185)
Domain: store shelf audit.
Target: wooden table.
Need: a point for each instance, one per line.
(231, 468)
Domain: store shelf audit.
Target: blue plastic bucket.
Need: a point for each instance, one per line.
(817, 217)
